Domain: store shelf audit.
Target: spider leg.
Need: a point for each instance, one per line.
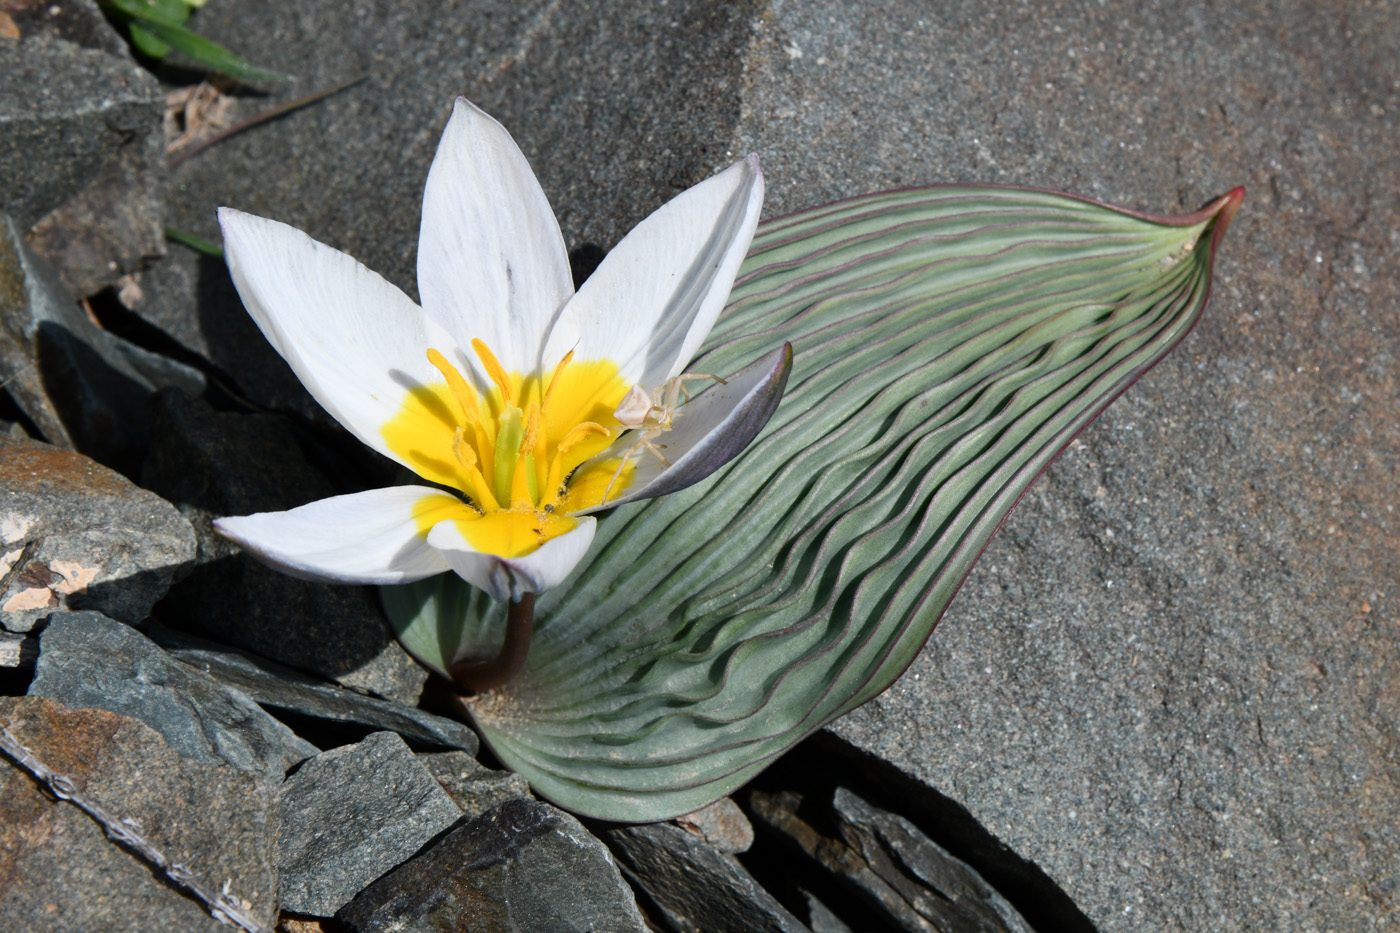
(621, 465)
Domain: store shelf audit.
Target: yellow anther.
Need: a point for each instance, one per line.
(466, 398)
(463, 452)
(554, 380)
(532, 430)
(579, 432)
(476, 483)
(493, 368)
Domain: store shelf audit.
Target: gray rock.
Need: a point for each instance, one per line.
(74, 534)
(82, 386)
(212, 464)
(60, 874)
(65, 111)
(694, 887)
(284, 690)
(523, 867)
(351, 814)
(473, 787)
(722, 824)
(82, 134)
(77, 21)
(88, 661)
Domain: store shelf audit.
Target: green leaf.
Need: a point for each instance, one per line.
(146, 43)
(198, 244)
(161, 22)
(948, 343)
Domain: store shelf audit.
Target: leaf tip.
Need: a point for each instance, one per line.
(1223, 209)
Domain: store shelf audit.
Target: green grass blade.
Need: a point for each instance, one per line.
(162, 25)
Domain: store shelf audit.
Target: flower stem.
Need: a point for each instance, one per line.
(475, 675)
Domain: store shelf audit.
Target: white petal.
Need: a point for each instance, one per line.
(491, 259)
(709, 431)
(654, 298)
(508, 577)
(365, 537)
(354, 340)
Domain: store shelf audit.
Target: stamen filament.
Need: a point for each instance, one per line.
(493, 368)
(579, 432)
(466, 457)
(554, 380)
(466, 398)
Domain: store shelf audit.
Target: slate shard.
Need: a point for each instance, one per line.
(82, 387)
(334, 709)
(351, 814)
(86, 660)
(887, 864)
(523, 867)
(474, 787)
(694, 887)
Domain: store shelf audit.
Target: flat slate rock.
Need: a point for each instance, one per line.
(351, 814)
(694, 887)
(523, 867)
(473, 787)
(60, 874)
(74, 534)
(277, 687)
(86, 660)
(213, 464)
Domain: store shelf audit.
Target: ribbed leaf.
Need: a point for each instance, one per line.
(948, 343)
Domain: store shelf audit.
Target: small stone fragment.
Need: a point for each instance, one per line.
(60, 874)
(722, 824)
(86, 660)
(903, 877)
(474, 787)
(695, 887)
(18, 651)
(276, 687)
(77, 535)
(351, 814)
(523, 867)
(940, 887)
(820, 918)
(222, 463)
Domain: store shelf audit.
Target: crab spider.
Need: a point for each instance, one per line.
(652, 414)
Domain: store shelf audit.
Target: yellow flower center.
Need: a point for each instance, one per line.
(515, 452)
